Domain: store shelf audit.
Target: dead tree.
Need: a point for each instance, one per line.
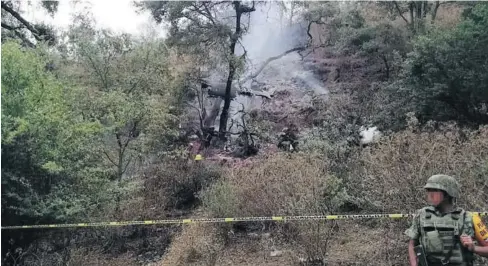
(240, 10)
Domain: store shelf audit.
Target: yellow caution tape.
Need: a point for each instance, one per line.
(225, 220)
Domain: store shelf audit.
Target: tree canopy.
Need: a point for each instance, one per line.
(444, 76)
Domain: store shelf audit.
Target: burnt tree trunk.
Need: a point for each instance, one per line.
(232, 66)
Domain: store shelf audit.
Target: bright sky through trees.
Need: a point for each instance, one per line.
(118, 15)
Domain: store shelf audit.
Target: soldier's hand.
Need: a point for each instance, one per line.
(467, 242)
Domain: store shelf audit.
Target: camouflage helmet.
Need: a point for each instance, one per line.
(445, 183)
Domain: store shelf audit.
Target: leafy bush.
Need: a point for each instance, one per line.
(49, 167)
(220, 200)
(444, 77)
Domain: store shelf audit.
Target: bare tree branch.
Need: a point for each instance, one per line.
(310, 25)
(127, 164)
(206, 12)
(21, 20)
(8, 27)
(95, 67)
(209, 14)
(108, 157)
(400, 12)
(199, 113)
(269, 60)
(146, 63)
(18, 34)
(434, 12)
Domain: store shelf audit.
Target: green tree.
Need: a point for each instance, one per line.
(203, 27)
(132, 90)
(382, 44)
(445, 76)
(44, 143)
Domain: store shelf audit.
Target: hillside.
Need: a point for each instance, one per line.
(297, 108)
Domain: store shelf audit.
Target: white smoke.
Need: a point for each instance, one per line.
(269, 33)
(369, 135)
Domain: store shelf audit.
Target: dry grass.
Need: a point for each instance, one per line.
(82, 256)
(198, 244)
(364, 242)
(388, 177)
(250, 254)
(393, 173)
(204, 244)
(284, 184)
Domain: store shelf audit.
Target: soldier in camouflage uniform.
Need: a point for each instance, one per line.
(445, 232)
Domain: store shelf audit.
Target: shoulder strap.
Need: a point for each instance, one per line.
(463, 222)
(420, 214)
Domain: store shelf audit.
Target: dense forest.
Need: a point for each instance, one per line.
(297, 108)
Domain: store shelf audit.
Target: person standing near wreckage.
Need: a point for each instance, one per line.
(442, 233)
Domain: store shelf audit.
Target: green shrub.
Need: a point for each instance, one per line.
(220, 200)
